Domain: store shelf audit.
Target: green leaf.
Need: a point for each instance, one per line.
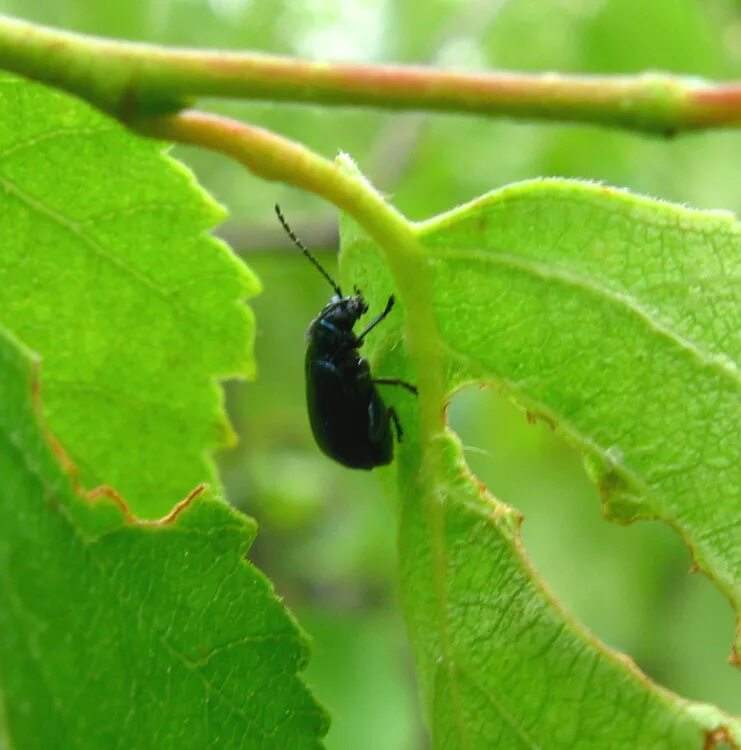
(108, 273)
(118, 633)
(617, 320)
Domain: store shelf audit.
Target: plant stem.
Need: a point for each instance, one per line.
(274, 157)
(127, 80)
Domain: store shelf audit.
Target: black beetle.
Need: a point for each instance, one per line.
(348, 417)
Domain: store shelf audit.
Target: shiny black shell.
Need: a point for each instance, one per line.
(348, 417)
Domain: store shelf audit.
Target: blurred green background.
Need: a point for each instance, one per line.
(326, 533)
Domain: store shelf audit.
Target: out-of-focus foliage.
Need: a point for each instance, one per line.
(326, 539)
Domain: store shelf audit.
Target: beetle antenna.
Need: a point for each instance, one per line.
(305, 250)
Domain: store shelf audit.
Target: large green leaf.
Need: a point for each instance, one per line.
(116, 632)
(106, 271)
(617, 320)
(120, 634)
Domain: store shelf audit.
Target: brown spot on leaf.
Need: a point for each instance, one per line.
(103, 491)
(718, 737)
(66, 462)
(57, 449)
(109, 493)
(533, 417)
(734, 658)
(610, 483)
(179, 508)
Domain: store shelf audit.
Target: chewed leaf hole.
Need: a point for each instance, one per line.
(629, 584)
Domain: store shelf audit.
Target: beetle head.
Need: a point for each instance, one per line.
(345, 311)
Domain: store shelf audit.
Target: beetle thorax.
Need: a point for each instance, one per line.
(331, 331)
(344, 312)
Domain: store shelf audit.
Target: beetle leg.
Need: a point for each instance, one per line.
(396, 381)
(397, 424)
(376, 320)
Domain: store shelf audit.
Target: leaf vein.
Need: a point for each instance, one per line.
(722, 364)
